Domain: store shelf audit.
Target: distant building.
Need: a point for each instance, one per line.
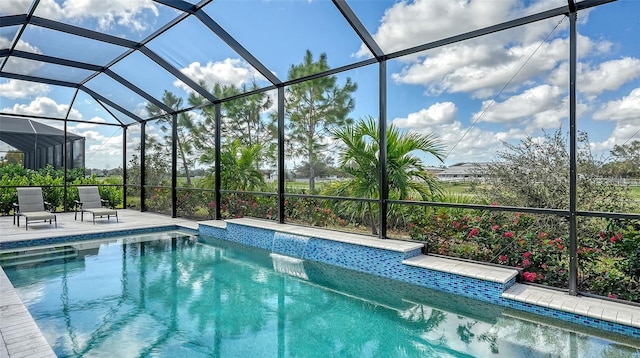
(40, 144)
(464, 172)
(435, 170)
(269, 174)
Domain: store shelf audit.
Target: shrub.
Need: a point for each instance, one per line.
(535, 174)
(8, 192)
(313, 211)
(239, 205)
(609, 259)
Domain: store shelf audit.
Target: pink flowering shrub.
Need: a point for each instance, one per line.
(529, 276)
(312, 211)
(609, 259)
(238, 205)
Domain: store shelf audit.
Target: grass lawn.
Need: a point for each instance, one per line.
(634, 192)
(456, 188)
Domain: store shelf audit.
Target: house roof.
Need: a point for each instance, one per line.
(461, 169)
(26, 134)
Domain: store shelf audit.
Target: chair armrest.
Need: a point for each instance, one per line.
(16, 208)
(76, 204)
(105, 202)
(48, 206)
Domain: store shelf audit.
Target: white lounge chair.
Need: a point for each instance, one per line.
(31, 205)
(91, 202)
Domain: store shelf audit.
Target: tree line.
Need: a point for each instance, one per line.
(316, 115)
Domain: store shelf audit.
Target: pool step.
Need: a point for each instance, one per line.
(35, 256)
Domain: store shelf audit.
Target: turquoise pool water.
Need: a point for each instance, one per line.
(168, 295)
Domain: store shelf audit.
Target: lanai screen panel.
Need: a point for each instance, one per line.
(279, 33)
(57, 44)
(23, 66)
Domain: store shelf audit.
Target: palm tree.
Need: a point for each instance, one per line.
(238, 167)
(407, 176)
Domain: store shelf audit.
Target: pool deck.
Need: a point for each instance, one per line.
(20, 336)
(67, 226)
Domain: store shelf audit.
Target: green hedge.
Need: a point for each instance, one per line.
(52, 182)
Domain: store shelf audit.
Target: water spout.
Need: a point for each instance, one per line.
(289, 265)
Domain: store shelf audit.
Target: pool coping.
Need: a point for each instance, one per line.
(592, 307)
(463, 268)
(20, 336)
(345, 237)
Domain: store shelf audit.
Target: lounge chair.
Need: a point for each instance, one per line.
(91, 202)
(31, 205)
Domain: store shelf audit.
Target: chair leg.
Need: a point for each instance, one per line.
(26, 223)
(94, 219)
(117, 217)
(55, 218)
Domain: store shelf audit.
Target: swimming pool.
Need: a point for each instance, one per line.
(170, 295)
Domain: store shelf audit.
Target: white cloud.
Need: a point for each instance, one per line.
(459, 142)
(544, 103)
(625, 112)
(107, 14)
(482, 67)
(407, 24)
(19, 65)
(622, 110)
(623, 132)
(14, 7)
(540, 107)
(436, 114)
(42, 106)
(91, 135)
(21, 89)
(227, 72)
(27, 47)
(608, 76)
(103, 151)
(411, 23)
(5, 42)
(465, 144)
(91, 123)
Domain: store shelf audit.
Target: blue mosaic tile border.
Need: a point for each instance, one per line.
(251, 236)
(289, 244)
(9, 245)
(212, 231)
(389, 264)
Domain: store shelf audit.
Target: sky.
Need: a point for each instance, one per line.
(473, 95)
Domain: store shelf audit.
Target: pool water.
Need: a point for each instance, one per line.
(170, 295)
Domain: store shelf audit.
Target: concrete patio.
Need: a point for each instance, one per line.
(67, 226)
